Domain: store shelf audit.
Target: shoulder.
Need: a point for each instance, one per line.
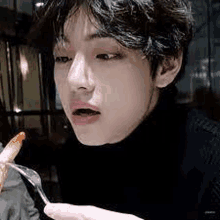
(202, 128)
(203, 141)
(199, 122)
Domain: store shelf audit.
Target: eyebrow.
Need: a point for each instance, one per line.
(90, 37)
(97, 35)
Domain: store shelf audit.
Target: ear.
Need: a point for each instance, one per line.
(169, 69)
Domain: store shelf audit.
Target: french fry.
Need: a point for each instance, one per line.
(8, 154)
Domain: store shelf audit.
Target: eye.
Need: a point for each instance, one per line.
(108, 56)
(62, 59)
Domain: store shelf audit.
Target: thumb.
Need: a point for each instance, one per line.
(59, 211)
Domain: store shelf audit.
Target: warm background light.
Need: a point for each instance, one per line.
(16, 109)
(39, 4)
(24, 66)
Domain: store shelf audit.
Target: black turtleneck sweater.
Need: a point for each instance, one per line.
(140, 175)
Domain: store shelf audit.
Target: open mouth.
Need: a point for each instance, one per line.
(85, 112)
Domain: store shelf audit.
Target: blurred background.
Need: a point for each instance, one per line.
(29, 101)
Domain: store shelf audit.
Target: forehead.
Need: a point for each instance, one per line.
(79, 25)
(81, 29)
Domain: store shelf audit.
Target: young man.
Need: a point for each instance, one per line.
(117, 56)
(136, 154)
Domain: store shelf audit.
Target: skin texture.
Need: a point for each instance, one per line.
(120, 86)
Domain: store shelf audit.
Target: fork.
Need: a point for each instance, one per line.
(33, 177)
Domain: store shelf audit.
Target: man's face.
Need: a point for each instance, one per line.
(102, 73)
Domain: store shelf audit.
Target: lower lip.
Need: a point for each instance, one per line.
(80, 120)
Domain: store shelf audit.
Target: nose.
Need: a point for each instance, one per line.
(79, 75)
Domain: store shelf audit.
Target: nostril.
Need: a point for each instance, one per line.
(62, 59)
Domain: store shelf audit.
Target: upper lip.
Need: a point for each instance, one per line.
(77, 104)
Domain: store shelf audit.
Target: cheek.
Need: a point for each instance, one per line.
(132, 84)
(60, 81)
(60, 75)
(137, 92)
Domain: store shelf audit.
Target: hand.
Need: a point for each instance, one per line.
(8, 154)
(64, 211)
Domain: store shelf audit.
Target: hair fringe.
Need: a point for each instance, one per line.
(159, 28)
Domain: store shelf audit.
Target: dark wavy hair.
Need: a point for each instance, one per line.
(158, 28)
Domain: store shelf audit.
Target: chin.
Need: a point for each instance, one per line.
(90, 142)
(86, 137)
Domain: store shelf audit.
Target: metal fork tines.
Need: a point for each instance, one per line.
(33, 177)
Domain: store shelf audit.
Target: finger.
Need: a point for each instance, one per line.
(12, 148)
(61, 211)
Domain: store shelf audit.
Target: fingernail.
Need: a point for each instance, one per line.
(48, 210)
